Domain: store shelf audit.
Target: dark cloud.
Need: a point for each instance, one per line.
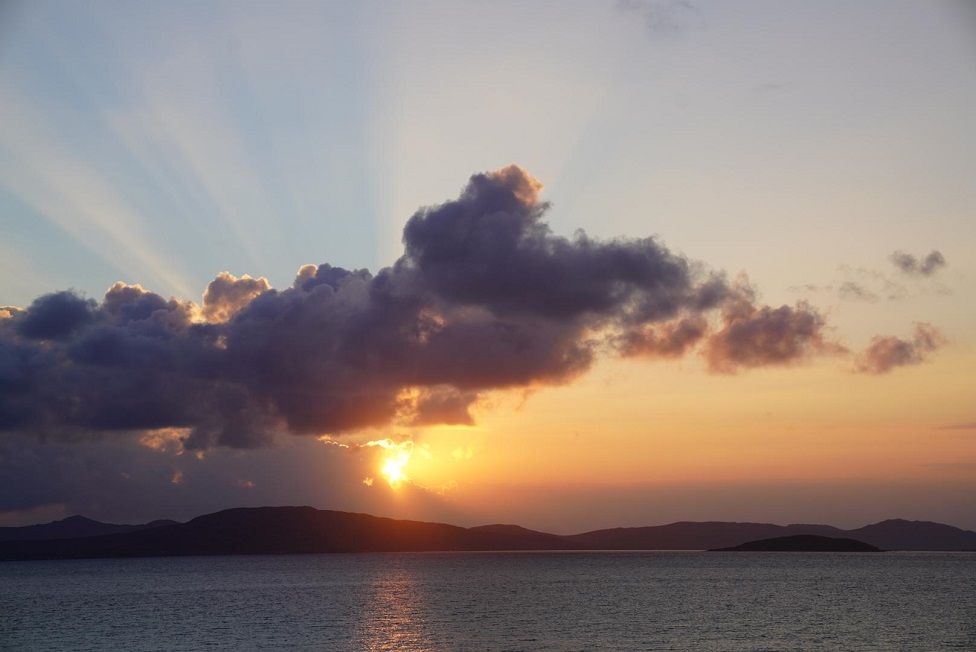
(887, 352)
(756, 336)
(55, 316)
(126, 406)
(444, 406)
(925, 266)
(670, 340)
(484, 297)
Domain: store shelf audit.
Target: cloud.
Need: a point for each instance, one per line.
(869, 285)
(960, 426)
(669, 340)
(888, 352)
(227, 295)
(757, 336)
(912, 266)
(856, 292)
(664, 17)
(484, 297)
(845, 290)
(55, 316)
(445, 406)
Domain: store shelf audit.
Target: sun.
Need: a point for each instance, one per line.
(396, 456)
(393, 469)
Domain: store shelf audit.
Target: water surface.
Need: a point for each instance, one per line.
(495, 601)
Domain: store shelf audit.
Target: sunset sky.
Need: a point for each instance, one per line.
(795, 344)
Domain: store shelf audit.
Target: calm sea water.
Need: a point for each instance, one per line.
(495, 601)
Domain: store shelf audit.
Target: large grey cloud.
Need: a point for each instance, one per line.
(484, 297)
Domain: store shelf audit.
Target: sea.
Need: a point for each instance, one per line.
(495, 601)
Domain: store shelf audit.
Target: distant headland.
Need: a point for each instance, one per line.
(294, 530)
(803, 543)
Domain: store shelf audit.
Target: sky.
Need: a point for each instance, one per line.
(564, 264)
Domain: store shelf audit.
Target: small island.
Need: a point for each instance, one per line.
(802, 543)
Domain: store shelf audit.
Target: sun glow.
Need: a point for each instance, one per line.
(396, 457)
(393, 468)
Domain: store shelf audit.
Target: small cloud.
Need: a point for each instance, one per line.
(960, 426)
(665, 16)
(177, 477)
(951, 466)
(368, 481)
(769, 87)
(765, 336)
(853, 291)
(810, 288)
(888, 352)
(912, 266)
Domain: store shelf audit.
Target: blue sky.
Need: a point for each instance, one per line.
(163, 143)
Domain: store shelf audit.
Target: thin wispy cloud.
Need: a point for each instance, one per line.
(664, 17)
(863, 284)
(971, 425)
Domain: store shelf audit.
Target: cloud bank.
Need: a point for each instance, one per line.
(484, 297)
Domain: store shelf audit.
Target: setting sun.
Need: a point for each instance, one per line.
(393, 468)
(394, 460)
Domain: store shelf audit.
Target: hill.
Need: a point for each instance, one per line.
(803, 543)
(894, 534)
(283, 530)
(690, 535)
(73, 527)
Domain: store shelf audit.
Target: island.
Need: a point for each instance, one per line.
(802, 543)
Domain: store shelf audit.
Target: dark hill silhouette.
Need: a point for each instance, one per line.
(899, 534)
(690, 536)
(282, 530)
(72, 527)
(803, 543)
(895, 534)
(539, 540)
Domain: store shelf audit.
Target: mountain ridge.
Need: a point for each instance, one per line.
(303, 529)
(76, 526)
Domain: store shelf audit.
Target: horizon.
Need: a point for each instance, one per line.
(505, 524)
(591, 266)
